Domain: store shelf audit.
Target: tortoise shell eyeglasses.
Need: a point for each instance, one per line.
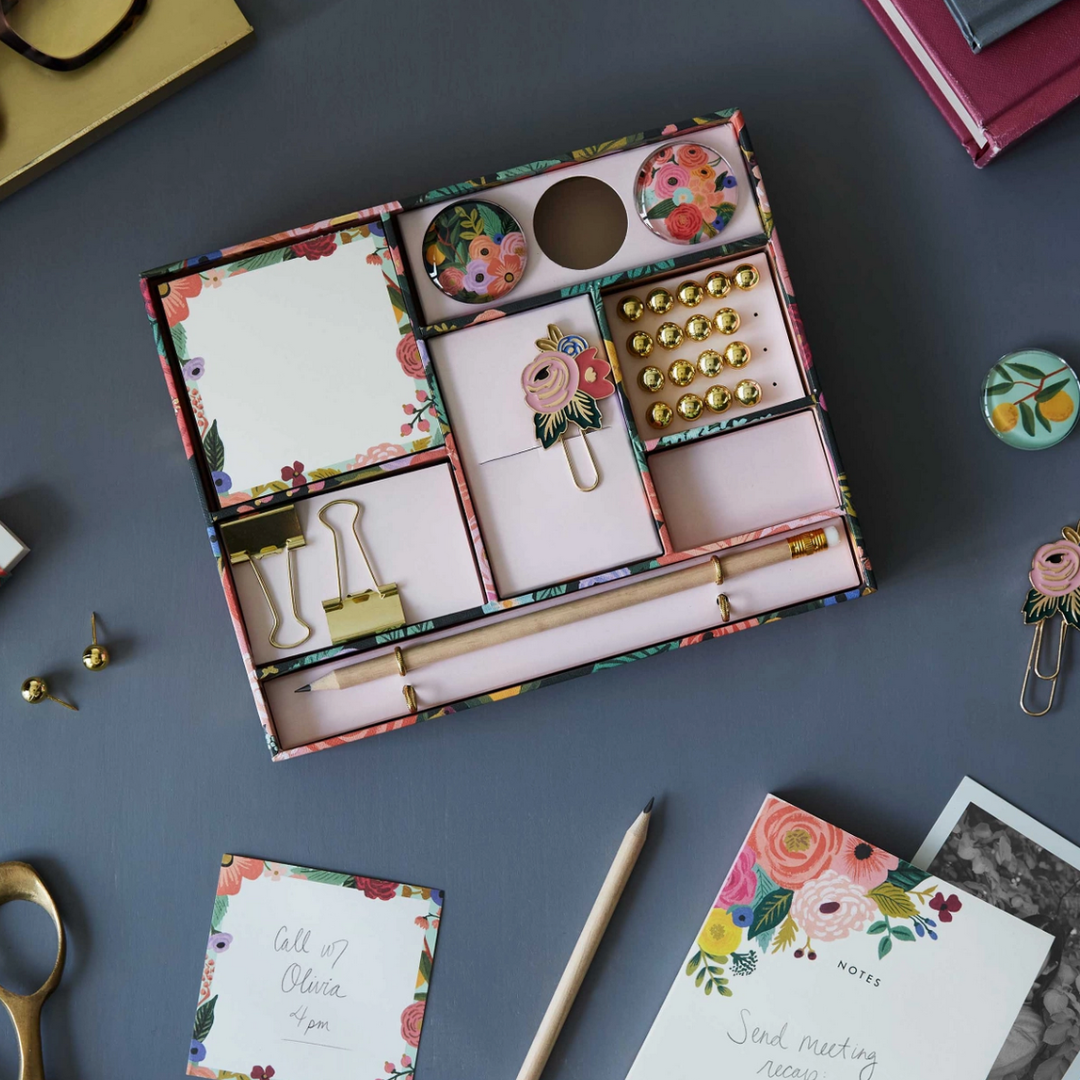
(11, 37)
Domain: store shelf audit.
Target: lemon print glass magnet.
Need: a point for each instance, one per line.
(1030, 398)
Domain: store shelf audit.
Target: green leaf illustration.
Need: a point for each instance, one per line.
(1042, 419)
(585, 412)
(221, 906)
(1038, 607)
(693, 963)
(1027, 417)
(179, 340)
(661, 209)
(492, 225)
(903, 933)
(204, 1019)
(877, 928)
(884, 947)
(1048, 392)
(771, 911)
(549, 427)
(425, 966)
(700, 977)
(1026, 370)
(892, 901)
(327, 877)
(907, 877)
(214, 449)
(1069, 606)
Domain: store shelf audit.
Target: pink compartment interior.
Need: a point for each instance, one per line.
(737, 483)
(414, 535)
(762, 326)
(538, 528)
(303, 718)
(542, 274)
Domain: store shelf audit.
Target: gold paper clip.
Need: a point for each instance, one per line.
(352, 615)
(1055, 590)
(251, 539)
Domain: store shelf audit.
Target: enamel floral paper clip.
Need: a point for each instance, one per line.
(563, 386)
(1055, 590)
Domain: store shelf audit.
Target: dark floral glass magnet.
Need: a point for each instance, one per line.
(474, 251)
(686, 193)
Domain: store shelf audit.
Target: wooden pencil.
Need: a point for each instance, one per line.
(585, 949)
(534, 622)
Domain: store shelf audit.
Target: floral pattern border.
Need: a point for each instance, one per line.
(799, 883)
(235, 870)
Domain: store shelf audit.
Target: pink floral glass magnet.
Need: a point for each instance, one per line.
(562, 386)
(475, 251)
(1055, 590)
(686, 192)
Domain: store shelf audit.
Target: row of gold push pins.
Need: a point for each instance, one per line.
(670, 335)
(690, 293)
(682, 373)
(716, 399)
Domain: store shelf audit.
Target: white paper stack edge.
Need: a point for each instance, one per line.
(12, 549)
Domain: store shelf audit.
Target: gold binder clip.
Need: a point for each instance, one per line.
(1055, 592)
(352, 615)
(250, 539)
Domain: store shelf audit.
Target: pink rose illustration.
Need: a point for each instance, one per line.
(863, 863)
(411, 1021)
(513, 243)
(550, 382)
(1055, 570)
(830, 906)
(452, 280)
(374, 889)
(408, 356)
(685, 222)
(741, 883)
(669, 177)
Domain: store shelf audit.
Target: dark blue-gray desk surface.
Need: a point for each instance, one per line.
(914, 272)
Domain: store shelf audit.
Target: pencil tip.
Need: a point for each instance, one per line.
(648, 809)
(302, 689)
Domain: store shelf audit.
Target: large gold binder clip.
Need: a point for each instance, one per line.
(352, 615)
(1055, 591)
(252, 539)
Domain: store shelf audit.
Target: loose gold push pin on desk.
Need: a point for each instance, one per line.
(95, 657)
(36, 689)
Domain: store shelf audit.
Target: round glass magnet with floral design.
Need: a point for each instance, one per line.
(686, 192)
(475, 251)
(563, 386)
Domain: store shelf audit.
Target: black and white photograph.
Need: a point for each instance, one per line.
(996, 852)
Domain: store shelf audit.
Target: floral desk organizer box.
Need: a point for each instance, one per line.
(357, 361)
(824, 956)
(312, 973)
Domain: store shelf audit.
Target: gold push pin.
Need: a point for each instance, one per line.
(710, 363)
(690, 293)
(737, 354)
(659, 301)
(718, 398)
(37, 689)
(651, 379)
(689, 406)
(698, 327)
(631, 309)
(681, 372)
(659, 414)
(748, 393)
(746, 276)
(640, 344)
(669, 335)
(717, 285)
(727, 320)
(95, 657)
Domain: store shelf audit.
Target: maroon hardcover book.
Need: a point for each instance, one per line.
(994, 97)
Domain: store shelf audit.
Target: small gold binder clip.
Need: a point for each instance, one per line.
(352, 615)
(252, 539)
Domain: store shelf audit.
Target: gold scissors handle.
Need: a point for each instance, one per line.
(19, 881)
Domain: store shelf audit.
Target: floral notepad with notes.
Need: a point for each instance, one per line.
(312, 973)
(824, 957)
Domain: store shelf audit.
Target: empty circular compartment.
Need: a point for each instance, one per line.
(580, 222)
